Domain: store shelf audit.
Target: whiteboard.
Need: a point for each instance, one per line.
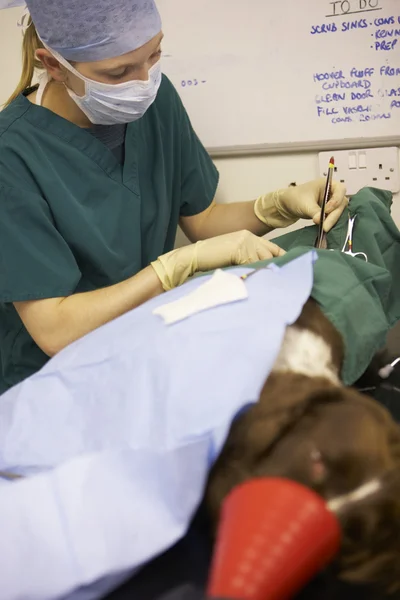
(259, 75)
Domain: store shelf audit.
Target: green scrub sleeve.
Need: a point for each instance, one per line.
(199, 175)
(35, 260)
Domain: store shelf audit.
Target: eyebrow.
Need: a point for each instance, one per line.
(130, 64)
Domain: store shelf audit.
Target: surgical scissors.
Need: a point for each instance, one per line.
(349, 241)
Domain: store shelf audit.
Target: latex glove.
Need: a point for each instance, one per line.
(238, 248)
(284, 207)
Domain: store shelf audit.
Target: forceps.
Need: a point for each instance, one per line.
(349, 241)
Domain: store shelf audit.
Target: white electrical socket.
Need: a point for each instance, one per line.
(372, 167)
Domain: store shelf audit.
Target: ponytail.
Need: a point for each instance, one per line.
(30, 44)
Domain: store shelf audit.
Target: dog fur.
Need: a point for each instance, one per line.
(310, 428)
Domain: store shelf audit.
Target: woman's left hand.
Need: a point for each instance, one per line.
(305, 201)
(285, 207)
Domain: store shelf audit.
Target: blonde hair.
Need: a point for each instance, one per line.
(30, 44)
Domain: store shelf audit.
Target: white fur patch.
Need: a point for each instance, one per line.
(306, 353)
(364, 491)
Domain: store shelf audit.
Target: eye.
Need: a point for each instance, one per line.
(318, 467)
(119, 75)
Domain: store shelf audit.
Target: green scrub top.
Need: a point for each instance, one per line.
(73, 219)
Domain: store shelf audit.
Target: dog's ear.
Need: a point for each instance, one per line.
(250, 435)
(371, 537)
(283, 401)
(371, 527)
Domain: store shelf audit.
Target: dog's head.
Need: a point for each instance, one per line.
(333, 440)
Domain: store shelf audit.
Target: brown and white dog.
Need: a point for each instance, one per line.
(308, 427)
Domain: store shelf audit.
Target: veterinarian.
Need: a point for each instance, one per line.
(98, 166)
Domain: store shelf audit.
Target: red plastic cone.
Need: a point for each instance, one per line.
(274, 536)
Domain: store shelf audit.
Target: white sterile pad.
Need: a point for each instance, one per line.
(222, 288)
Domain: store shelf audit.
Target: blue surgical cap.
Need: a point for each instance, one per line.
(90, 30)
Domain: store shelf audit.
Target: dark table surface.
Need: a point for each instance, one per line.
(181, 574)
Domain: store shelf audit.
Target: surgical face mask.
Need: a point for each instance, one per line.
(107, 104)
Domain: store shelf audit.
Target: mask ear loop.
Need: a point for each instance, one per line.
(45, 78)
(23, 22)
(43, 81)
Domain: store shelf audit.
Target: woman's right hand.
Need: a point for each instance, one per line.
(238, 248)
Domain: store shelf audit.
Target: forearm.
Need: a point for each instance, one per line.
(88, 311)
(56, 322)
(226, 218)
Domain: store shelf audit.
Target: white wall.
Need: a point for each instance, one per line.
(10, 51)
(242, 178)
